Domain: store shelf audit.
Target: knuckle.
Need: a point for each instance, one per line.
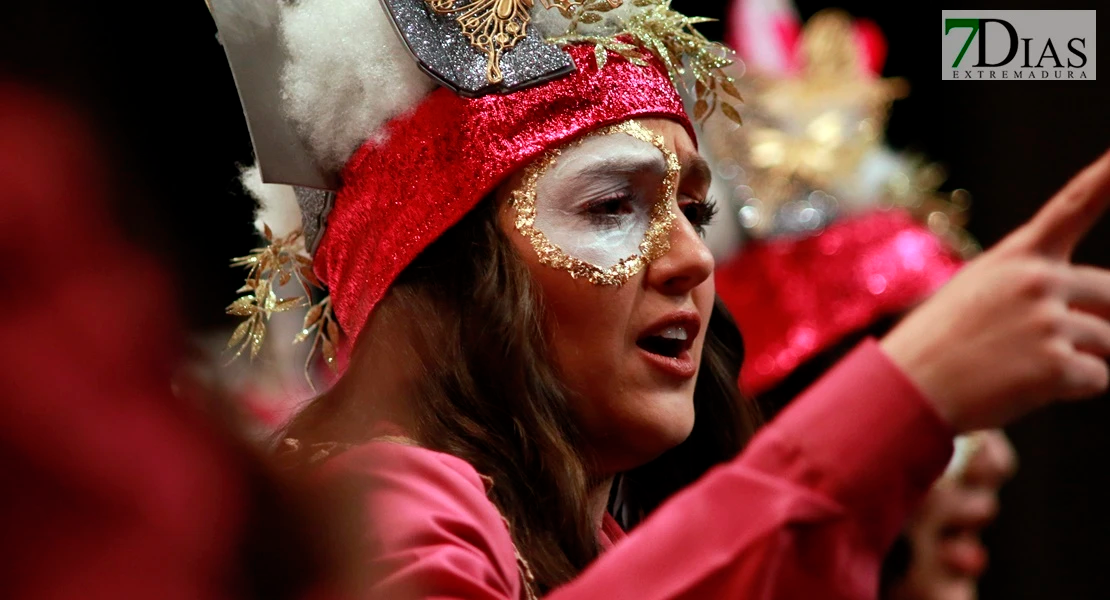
(1101, 380)
(1049, 321)
(1099, 329)
(1057, 359)
(1088, 379)
(1037, 279)
(1093, 282)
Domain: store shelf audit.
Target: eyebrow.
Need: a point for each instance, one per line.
(624, 164)
(695, 167)
(604, 171)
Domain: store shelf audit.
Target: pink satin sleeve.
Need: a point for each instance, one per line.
(431, 531)
(806, 511)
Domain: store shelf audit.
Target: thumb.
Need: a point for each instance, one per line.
(1063, 221)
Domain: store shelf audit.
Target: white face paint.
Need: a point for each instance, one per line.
(600, 207)
(595, 201)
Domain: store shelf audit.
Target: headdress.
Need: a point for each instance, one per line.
(393, 120)
(840, 230)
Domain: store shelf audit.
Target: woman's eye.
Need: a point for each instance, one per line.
(612, 206)
(610, 210)
(699, 213)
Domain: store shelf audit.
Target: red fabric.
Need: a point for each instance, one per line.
(807, 511)
(789, 32)
(610, 533)
(438, 162)
(112, 488)
(795, 297)
(870, 46)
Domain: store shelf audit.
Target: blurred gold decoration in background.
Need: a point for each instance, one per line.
(813, 146)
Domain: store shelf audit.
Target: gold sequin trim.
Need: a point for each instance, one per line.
(656, 240)
(295, 454)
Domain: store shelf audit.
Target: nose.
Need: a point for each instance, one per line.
(686, 265)
(994, 461)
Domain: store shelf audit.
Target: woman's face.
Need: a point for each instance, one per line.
(610, 229)
(947, 552)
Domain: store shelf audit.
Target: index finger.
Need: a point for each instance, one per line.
(1069, 215)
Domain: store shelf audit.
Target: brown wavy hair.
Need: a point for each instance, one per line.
(463, 325)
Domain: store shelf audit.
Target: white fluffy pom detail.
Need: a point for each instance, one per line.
(348, 74)
(277, 204)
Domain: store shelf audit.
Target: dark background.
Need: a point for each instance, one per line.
(154, 81)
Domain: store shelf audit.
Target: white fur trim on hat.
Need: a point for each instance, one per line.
(348, 74)
(277, 204)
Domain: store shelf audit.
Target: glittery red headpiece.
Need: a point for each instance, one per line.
(794, 298)
(437, 162)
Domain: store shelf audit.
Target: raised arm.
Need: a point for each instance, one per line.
(811, 505)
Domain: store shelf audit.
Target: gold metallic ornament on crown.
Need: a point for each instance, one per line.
(494, 26)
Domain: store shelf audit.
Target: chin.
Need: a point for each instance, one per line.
(675, 431)
(657, 433)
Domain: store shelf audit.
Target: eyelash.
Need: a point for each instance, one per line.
(599, 210)
(700, 213)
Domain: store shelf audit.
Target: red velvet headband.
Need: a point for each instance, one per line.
(436, 163)
(794, 298)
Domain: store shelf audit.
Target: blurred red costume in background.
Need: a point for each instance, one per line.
(113, 487)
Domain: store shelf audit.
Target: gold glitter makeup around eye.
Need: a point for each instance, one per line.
(656, 240)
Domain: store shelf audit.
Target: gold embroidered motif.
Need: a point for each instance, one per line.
(656, 240)
(494, 26)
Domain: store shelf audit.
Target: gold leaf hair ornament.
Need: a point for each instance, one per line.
(694, 63)
(277, 263)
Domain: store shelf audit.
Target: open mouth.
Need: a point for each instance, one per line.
(671, 342)
(666, 345)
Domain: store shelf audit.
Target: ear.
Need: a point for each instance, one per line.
(765, 34)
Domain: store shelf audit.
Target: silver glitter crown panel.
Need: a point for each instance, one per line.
(315, 205)
(441, 50)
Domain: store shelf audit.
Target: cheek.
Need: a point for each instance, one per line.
(703, 296)
(587, 324)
